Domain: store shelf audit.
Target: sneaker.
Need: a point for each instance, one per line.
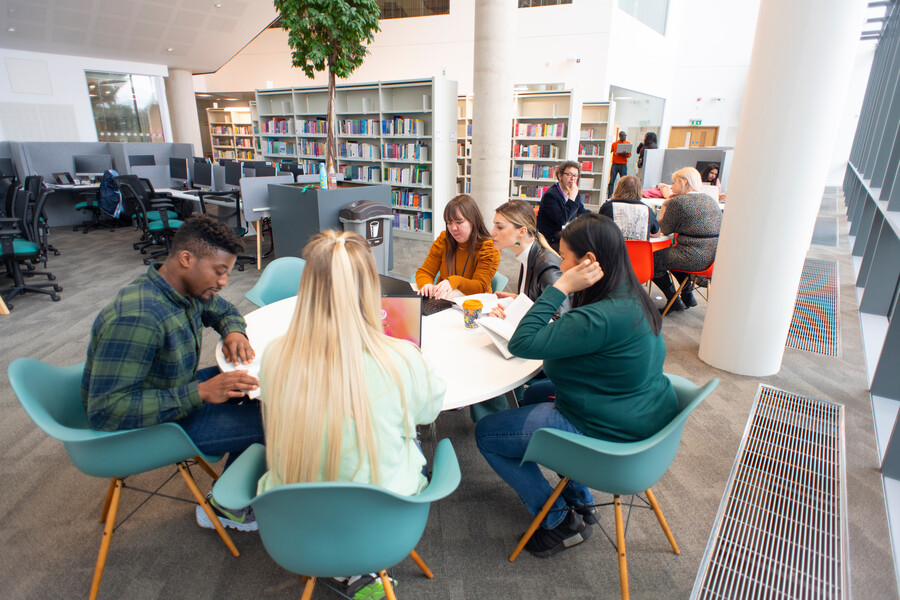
(242, 520)
(588, 513)
(688, 299)
(547, 542)
(367, 587)
(676, 306)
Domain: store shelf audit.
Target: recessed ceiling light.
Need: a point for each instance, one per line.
(169, 49)
(11, 30)
(218, 5)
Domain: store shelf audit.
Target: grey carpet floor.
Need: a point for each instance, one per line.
(50, 534)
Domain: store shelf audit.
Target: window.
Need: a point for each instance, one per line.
(126, 107)
(534, 3)
(652, 13)
(399, 9)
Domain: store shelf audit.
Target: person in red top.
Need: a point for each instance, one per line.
(619, 162)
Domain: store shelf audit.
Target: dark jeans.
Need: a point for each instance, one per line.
(617, 170)
(228, 428)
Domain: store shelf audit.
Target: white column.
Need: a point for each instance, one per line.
(492, 105)
(183, 109)
(801, 63)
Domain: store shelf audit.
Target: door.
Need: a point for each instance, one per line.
(693, 137)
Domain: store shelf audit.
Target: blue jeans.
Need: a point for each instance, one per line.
(230, 427)
(502, 438)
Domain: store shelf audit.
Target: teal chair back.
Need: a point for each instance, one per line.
(279, 280)
(305, 527)
(616, 467)
(52, 398)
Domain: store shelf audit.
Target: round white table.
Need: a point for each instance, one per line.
(465, 358)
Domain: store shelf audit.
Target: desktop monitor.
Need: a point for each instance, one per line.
(178, 170)
(7, 169)
(91, 165)
(264, 171)
(292, 168)
(233, 173)
(256, 163)
(227, 161)
(203, 175)
(141, 160)
(199, 159)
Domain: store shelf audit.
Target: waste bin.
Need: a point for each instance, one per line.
(373, 221)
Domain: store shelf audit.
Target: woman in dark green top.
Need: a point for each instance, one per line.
(604, 359)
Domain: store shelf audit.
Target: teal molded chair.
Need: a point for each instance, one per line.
(278, 281)
(52, 398)
(305, 529)
(620, 469)
(498, 282)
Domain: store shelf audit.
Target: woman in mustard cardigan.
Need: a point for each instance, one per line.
(464, 254)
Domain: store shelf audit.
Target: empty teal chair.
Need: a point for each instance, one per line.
(52, 398)
(616, 468)
(498, 282)
(305, 529)
(279, 280)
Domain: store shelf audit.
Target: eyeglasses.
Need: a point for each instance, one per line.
(570, 174)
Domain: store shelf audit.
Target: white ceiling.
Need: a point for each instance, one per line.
(197, 35)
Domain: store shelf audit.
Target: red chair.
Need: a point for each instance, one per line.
(692, 276)
(640, 252)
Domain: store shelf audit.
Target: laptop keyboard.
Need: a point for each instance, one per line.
(434, 305)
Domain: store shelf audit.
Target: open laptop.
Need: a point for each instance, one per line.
(392, 286)
(402, 317)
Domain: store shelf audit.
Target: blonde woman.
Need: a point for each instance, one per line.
(341, 400)
(696, 218)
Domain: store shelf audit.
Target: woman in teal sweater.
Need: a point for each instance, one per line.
(604, 359)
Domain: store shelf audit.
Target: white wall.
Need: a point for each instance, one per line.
(65, 85)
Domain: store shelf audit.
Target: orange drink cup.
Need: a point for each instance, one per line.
(471, 311)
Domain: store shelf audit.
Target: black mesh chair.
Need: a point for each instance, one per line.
(16, 250)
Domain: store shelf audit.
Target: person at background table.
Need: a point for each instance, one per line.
(649, 143)
(636, 220)
(604, 360)
(560, 203)
(619, 162)
(341, 400)
(696, 218)
(463, 255)
(710, 176)
(144, 350)
(515, 228)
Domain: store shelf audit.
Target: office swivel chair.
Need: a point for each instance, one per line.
(239, 230)
(15, 249)
(154, 232)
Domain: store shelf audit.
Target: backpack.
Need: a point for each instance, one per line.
(110, 196)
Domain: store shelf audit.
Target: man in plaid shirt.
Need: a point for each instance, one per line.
(143, 355)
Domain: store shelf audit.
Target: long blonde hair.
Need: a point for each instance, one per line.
(313, 378)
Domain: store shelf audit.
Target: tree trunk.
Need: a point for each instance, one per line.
(330, 141)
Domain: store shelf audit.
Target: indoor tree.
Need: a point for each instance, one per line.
(330, 34)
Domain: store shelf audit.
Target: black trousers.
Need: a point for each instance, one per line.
(617, 169)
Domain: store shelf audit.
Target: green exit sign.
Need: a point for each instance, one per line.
(695, 121)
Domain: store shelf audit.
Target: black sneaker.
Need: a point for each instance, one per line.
(588, 513)
(676, 306)
(547, 542)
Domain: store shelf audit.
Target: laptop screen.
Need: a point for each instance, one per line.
(402, 317)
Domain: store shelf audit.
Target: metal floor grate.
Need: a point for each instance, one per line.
(781, 530)
(816, 326)
(825, 232)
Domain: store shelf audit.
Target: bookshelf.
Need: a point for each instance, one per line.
(230, 133)
(399, 133)
(464, 145)
(254, 122)
(542, 138)
(593, 150)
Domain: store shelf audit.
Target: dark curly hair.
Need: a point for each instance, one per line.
(203, 235)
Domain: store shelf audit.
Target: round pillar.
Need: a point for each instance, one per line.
(183, 109)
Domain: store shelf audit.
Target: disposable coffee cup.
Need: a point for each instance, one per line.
(471, 312)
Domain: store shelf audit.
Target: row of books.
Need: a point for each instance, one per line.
(243, 130)
(411, 199)
(220, 141)
(532, 171)
(312, 148)
(532, 192)
(278, 125)
(463, 150)
(220, 129)
(358, 150)
(587, 133)
(413, 222)
(358, 126)
(400, 126)
(318, 126)
(405, 151)
(464, 187)
(361, 172)
(459, 170)
(587, 166)
(243, 142)
(276, 147)
(535, 151)
(590, 149)
(540, 130)
(413, 174)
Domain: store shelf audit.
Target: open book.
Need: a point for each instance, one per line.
(501, 330)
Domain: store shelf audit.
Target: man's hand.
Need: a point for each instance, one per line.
(237, 349)
(579, 277)
(572, 192)
(225, 386)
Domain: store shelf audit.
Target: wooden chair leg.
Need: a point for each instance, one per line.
(662, 520)
(3, 309)
(206, 467)
(109, 495)
(620, 547)
(415, 556)
(674, 296)
(201, 499)
(388, 586)
(258, 226)
(540, 517)
(107, 536)
(308, 588)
